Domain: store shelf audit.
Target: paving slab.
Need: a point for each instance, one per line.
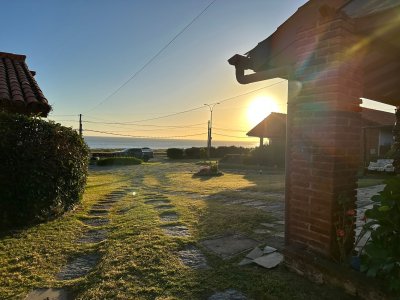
(269, 261)
(176, 230)
(48, 294)
(255, 253)
(269, 249)
(261, 231)
(228, 295)
(245, 261)
(193, 258)
(168, 216)
(97, 212)
(268, 225)
(93, 236)
(96, 222)
(102, 206)
(78, 267)
(229, 246)
(157, 202)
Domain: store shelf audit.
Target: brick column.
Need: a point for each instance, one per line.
(324, 133)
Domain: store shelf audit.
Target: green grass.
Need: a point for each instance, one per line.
(138, 261)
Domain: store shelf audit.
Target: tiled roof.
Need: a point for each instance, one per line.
(19, 91)
(377, 118)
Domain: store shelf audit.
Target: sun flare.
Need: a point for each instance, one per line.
(260, 108)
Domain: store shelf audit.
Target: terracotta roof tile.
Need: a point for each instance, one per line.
(19, 91)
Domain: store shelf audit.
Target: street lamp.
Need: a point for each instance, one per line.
(211, 107)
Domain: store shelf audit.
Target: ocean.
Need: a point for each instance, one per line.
(100, 142)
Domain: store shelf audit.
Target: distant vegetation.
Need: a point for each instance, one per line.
(268, 155)
(43, 169)
(119, 161)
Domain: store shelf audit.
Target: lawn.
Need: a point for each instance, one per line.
(138, 260)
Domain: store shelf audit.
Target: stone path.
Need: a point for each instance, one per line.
(190, 256)
(228, 295)
(83, 264)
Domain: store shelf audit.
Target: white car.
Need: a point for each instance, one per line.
(381, 165)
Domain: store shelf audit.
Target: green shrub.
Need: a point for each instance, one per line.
(119, 161)
(43, 169)
(381, 256)
(194, 152)
(175, 153)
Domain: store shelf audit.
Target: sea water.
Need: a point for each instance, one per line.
(100, 142)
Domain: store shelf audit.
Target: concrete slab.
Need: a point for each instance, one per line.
(229, 246)
(255, 253)
(176, 230)
(193, 258)
(269, 249)
(79, 266)
(245, 261)
(228, 295)
(96, 222)
(157, 202)
(168, 216)
(48, 294)
(269, 261)
(93, 236)
(163, 207)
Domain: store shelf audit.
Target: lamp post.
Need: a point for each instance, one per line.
(211, 107)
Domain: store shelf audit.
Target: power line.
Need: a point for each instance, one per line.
(135, 123)
(226, 129)
(153, 58)
(232, 136)
(152, 137)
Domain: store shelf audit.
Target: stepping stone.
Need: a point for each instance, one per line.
(229, 246)
(228, 295)
(268, 249)
(48, 294)
(193, 258)
(101, 206)
(261, 231)
(280, 222)
(255, 253)
(93, 236)
(269, 261)
(280, 234)
(163, 207)
(268, 225)
(157, 202)
(245, 261)
(98, 212)
(168, 217)
(78, 267)
(176, 230)
(96, 222)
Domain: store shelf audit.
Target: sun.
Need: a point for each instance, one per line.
(260, 108)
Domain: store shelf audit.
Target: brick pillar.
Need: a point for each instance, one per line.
(324, 133)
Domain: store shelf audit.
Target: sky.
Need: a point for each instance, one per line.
(131, 61)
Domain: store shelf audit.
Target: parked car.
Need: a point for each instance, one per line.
(381, 165)
(142, 153)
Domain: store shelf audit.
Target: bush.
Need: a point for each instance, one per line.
(175, 153)
(267, 155)
(119, 161)
(194, 152)
(381, 257)
(43, 169)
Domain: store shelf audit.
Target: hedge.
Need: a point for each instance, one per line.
(119, 161)
(43, 169)
(175, 153)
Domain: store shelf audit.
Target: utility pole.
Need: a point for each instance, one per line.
(211, 107)
(80, 124)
